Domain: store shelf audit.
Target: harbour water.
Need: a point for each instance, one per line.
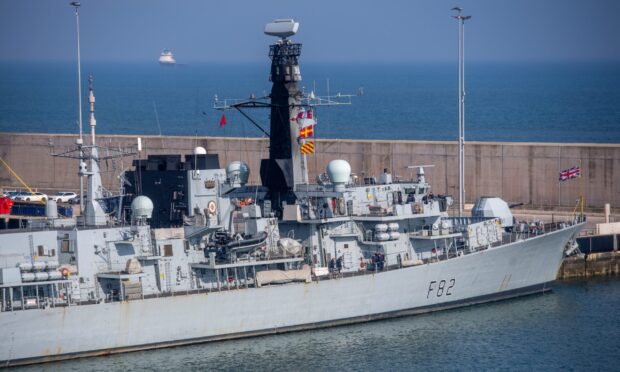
(547, 102)
(575, 327)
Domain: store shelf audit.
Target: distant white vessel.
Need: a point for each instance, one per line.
(166, 57)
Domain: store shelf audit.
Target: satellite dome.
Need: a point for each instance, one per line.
(339, 171)
(199, 150)
(238, 173)
(141, 207)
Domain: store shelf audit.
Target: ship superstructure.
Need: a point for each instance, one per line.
(229, 259)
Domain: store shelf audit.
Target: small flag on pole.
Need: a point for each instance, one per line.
(571, 173)
(307, 148)
(223, 120)
(306, 132)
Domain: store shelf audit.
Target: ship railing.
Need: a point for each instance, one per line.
(532, 230)
(370, 265)
(79, 226)
(458, 248)
(35, 295)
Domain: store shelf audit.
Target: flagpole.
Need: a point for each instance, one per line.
(581, 198)
(559, 182)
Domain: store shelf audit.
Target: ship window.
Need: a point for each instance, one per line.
(124, 249)
(409, 190)
(346, 246)
(421, 190)
(167, 250)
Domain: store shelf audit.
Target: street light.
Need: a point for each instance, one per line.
(461, 20)
(76, 5)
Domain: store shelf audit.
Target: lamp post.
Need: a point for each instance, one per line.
(80, 141)
(461, 20)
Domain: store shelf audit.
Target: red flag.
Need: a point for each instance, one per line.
(223, 120)
(309, 114)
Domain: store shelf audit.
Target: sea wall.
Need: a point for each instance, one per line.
(517, 172)
(590, 265)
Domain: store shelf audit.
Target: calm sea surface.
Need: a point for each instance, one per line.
(549, 102)
(575, 328)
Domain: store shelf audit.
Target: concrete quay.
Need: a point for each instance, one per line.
(518, 172)
(590, 265)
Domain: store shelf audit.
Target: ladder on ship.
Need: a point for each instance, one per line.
(168, 275)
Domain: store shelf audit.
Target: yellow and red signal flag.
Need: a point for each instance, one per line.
(307, 132)
(307, 148)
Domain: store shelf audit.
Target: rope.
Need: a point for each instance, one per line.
(19, 178)
(22, 182)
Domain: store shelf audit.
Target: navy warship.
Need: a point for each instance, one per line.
(201, 255)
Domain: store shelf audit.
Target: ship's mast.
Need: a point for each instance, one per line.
(93, 212)
(461, 20)
(91, 101)
(284, 169)
(94, 215)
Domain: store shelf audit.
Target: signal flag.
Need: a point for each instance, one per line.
(306, 132)
(307, 148)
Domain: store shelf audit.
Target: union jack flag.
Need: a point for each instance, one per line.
(571, 173)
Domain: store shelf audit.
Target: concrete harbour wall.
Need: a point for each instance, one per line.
(591, 265)
(518, 172)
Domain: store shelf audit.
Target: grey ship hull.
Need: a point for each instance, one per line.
(511, 270)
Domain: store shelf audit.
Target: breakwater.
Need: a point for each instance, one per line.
(518, 172)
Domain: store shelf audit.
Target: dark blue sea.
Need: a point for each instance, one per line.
(548, 102)
(574, 328)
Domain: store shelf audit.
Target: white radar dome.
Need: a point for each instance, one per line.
(141, 207)
(238, 173)
(200, 150)
(282, 28)
(339, 171)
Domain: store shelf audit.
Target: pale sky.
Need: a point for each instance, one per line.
(331, 31)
